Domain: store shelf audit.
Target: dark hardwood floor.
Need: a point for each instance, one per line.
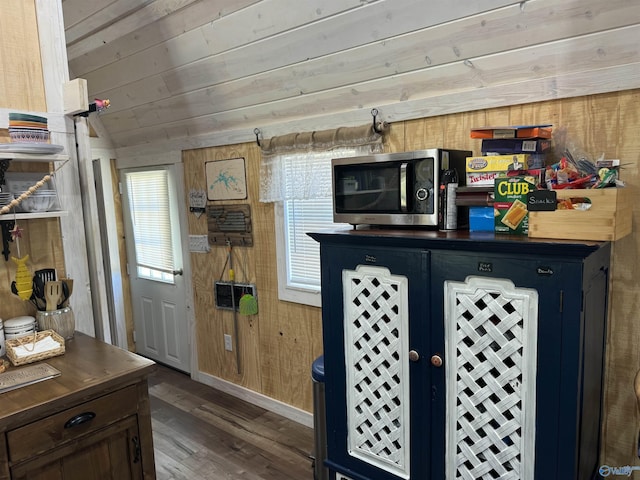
(202, 433)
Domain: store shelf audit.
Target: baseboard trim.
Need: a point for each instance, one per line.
(292, 413)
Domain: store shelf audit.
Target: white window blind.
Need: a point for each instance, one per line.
(299, 254)
(148, 193)
(304, 216)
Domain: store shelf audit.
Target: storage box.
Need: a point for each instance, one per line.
(609, 217)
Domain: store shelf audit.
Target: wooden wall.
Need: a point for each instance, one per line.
(22, 88)
(279, 344)
(21, 80)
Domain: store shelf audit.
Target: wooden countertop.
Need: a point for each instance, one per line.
(456, 240)
(88, 368)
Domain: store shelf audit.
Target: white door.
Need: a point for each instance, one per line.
(154, 253)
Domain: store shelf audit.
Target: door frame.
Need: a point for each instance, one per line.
(116, 327)
(174, 158)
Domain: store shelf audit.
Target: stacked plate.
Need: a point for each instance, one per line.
(5, 198)
(24, 128)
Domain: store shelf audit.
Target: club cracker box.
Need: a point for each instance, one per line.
(510, 204)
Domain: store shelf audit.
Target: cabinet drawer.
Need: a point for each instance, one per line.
(71, 424)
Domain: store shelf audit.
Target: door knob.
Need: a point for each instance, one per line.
(436, 360)
(414, 356)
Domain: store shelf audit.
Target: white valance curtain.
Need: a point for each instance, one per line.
(288, 172)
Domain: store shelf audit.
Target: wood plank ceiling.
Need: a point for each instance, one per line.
(192, 73)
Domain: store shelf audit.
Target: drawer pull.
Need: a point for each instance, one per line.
(80, 419)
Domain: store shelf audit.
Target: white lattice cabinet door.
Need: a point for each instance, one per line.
(490, 351)
(376, 323)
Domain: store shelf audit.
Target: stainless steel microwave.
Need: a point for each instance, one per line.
(393, 188)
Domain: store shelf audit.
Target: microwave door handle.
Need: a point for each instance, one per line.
(403, 187)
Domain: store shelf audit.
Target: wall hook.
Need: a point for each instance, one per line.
(97, 106)
(256, 131)
(378, 127)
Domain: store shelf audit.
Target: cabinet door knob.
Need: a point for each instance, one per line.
(436, 360)
(414, 356)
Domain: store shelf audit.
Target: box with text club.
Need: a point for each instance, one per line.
(510, 204)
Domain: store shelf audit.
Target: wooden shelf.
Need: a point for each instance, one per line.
(33, 216)
(31, 157)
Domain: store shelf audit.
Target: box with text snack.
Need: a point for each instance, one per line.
(510, 204)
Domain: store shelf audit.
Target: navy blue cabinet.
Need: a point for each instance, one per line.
(462, 356)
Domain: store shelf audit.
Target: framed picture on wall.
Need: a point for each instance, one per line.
(226, 179)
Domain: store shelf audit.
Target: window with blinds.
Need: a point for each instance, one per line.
(302, 216)
(148, 194)
(299, 254)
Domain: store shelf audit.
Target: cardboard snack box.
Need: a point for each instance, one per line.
(497, 163)
(483, 179)
(514, 145)
(510, 204)
(518, 131)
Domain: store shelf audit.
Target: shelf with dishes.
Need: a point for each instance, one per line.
(28, 194)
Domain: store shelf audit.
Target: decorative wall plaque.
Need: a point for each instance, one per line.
(226, 179)
(197, 202)
(229, 224)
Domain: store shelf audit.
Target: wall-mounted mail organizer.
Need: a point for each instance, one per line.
(228, 299)
(229, 224)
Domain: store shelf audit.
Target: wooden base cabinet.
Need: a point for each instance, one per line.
(450, 356)
(91, 422)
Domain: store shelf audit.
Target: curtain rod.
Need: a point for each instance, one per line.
(378, 127)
